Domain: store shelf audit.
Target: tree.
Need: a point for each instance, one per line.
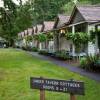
(8, 14)
(14, 18)
(47, 9)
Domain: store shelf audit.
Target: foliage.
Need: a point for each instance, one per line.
(29, 38)
(68, 7)
(24, 17)
(78, 38)
(62, 55)
(14, 19)
(47, 9)
(35, 49)
(98, 38)
(8, 15)
(27, 48)
(83, 63)
(40, 37)
(93, 35)
(35, 37)
(50, 36)
(91, 63)
(43, 52)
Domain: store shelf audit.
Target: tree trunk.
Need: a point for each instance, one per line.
(11, 43)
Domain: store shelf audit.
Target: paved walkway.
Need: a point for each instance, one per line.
(94, 76)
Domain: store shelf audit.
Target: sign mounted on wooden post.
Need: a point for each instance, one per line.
(70, 86)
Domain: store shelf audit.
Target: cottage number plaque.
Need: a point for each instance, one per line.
(70, 86)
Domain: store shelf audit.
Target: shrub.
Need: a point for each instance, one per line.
(17, 47)
(35, 49)
(43, 52)
(23, 47)
(91, 63)
(62, 55)
(83, 62)
(27, 48)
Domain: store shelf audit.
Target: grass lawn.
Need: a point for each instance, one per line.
(16, 68)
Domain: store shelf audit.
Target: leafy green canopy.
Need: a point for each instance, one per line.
(40, 37)
(47, 9)
(8, 14)
(78, 39)
(68, 7)
(14, 19)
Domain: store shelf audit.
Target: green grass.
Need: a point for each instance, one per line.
(16, 68)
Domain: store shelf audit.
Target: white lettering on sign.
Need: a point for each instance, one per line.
(48, 87)
(51, 82)
(69, 84)
(38, 81)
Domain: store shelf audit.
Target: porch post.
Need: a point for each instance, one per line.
(73, 31)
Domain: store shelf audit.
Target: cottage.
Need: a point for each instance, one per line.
(39, 31)
(47, 28)
(59, 37)
(84, 19)
(30, 31)
(30, 35)
(34, 41)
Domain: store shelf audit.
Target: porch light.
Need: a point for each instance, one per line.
(62, 31)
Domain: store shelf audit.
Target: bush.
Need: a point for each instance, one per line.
(17, 47)
(35, 49)
(27, 48)
(83, 62)
(62, 55)
(23, 47)
(91, 63)
(43, 52)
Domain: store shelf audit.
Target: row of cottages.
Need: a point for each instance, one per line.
(82, 19)
(45, 28)
(22, 37)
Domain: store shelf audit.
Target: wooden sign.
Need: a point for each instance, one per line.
(70, 86)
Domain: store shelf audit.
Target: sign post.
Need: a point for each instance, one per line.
(72, 87)
(72, 97)
(42, 95)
